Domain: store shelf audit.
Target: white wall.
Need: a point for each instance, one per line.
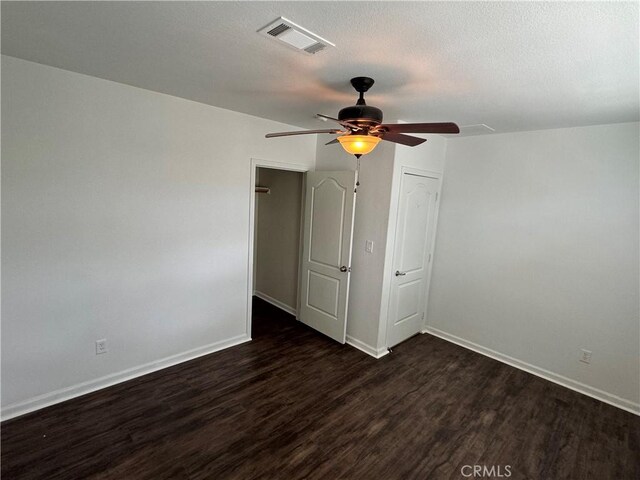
(125, 216)
(537, 254)
(278, 236)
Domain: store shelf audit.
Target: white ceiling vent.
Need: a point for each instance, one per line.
(294, 36)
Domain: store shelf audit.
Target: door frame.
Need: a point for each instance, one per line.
(255, 164)
(391, 244)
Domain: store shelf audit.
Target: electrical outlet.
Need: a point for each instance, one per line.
(585, 356)
(101, 346)
(368, 246)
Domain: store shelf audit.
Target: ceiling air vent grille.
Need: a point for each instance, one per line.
(315, 48)
(274, 32)
(294, 36)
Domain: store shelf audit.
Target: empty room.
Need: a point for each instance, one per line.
(378, 240)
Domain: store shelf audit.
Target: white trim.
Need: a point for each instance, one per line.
(368, 349)
(276, 303)
(303, 196)
(57, 396)
(255, 163)
(579, 387)
(421, 173)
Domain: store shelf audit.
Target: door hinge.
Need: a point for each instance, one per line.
(429, 259)
(436, 196)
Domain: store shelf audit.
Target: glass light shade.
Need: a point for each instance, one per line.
(358, 144)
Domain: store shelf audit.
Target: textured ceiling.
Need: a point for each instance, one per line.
(512, 66)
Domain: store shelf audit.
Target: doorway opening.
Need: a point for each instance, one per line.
(300, 242)
(278, 207)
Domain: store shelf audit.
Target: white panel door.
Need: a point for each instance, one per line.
(412, 255)
(326, 254)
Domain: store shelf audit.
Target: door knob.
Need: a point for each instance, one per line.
(343, 269)
(400, 274)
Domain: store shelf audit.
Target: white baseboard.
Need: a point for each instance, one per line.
(47, 399)
(276, 303)
(579, 387)
(368, 349)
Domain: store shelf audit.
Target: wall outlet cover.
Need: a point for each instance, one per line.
(101, 346)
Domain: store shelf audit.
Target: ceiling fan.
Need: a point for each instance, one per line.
(362, 127)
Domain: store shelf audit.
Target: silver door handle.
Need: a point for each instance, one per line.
(400, 274)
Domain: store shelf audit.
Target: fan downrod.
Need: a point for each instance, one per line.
(362, 84)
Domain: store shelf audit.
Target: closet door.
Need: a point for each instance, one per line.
(412, 256)
(326, 258)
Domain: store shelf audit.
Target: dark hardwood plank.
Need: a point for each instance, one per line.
(293, 404)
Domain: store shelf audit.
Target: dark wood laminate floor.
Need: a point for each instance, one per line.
(292, 404)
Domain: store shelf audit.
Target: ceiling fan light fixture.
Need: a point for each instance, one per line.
(358, 144)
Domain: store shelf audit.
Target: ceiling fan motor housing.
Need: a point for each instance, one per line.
(363, 113)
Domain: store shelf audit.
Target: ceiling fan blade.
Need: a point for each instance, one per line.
(447, 127)
(303, 132)
(335, 140)
(403, 139)
(352, 126)
(327, 117)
